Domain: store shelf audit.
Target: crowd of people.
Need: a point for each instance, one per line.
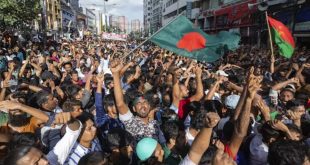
(84, 102)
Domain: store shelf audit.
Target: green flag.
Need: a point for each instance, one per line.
(183, 38)
(282, 37)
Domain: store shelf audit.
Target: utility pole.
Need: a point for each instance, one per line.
(43, 17)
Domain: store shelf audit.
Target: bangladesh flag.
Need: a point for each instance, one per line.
(183, 38)
(282, 37)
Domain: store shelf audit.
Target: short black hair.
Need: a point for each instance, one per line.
(69, 104)
(213, 106)
(74, 72)
(287, 152)
(15, 155)
(198, 120)
(67, 63)
(118, 138)
(72, 90)
(208, 155)
(41, 97)
(268, 132)
(93, 158)
(108, 101)
(170, 130)
(22, 139)
(294, 103)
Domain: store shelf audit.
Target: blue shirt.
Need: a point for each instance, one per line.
(78, 151)
(103, 120)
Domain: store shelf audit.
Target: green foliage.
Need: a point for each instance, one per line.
(19, 13)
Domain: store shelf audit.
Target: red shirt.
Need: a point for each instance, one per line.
(228, 151)
(182, 112)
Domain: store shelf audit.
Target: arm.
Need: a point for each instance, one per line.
(130, 64)
(31, 87)
(27, 109)
(37, 68)
(242, 123)
(264, 109)
(88, 83)
(283, 84)
(235, 87)
(62, 149)
(59, 92)
(279, 125)
(4, 85)
(202, 141)
(118, 93)
(240, 104)
(22, 69)
(100, 112)
(212, 90)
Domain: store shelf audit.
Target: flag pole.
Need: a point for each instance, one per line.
(152, 35)
(270, 38)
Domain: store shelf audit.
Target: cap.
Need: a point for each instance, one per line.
(221, 73)
(231, 101)
(290, 88)
(145, 148)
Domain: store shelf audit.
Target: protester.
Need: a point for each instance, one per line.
(85, 102)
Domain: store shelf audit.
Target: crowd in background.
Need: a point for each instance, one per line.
(85, 102)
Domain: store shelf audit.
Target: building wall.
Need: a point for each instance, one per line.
(113, 20)
(135, 25)
(171, 8)
(156, 16)
(91, 20)
(53, 13)
(122, 23)
(147, 14)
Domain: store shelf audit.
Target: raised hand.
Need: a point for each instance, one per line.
(100, 78)
(198, 71)
(116, 66)
(278, 125)
(221, 158)
(295, 80)
(62, 118)
(10, 105)
(253, 83)
(294, 115)
(211, 119)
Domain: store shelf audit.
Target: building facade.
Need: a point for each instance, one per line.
(147, 14)
(113, 20)
(53, 15)
(68, 17)
(90, 20)
(135, 25)
(122, 24)
(156, 17)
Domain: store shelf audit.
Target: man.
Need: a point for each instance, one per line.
(139, 125)
(176, 143)
(180, 94)
(120, 143)
(150, 151)
(18, 120)
(106, 115)
(288, 152)
(87, 141)
(26, 155)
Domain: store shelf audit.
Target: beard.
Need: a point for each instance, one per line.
(18, 120)
(143, 113)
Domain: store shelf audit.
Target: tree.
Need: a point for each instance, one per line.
(19, 13)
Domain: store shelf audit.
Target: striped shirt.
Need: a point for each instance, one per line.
(78, 151)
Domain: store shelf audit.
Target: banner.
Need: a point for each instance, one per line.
(114, 36)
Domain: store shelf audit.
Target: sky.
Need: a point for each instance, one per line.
(132, 9)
